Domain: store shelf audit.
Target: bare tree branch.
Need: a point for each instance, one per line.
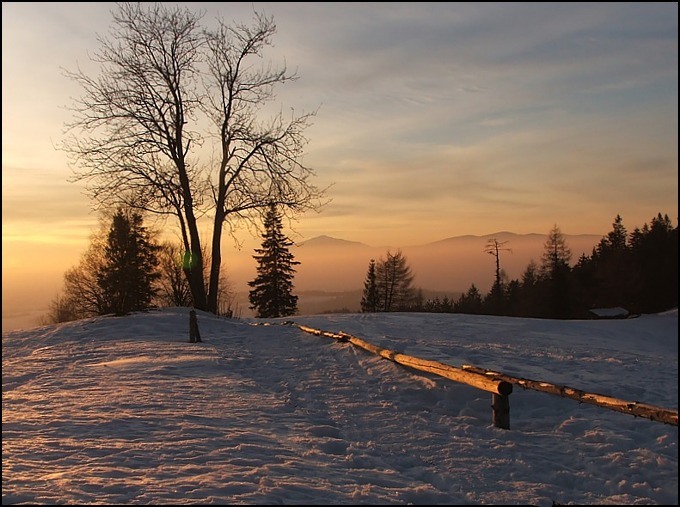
(166, 86)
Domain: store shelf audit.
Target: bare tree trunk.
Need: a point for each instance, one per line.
(195, 269)
(216, 262)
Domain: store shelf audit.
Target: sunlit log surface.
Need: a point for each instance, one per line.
(635, 408)
(486, 383)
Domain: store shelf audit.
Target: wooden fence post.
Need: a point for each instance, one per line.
(501, 410)
(194, 334)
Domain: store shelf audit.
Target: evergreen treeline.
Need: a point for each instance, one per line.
(125, 270)
(637, 271)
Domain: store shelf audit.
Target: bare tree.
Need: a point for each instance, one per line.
(494, 247)
(166, 87)
(394, 283)
(82, 293)
(82, 296)
(61, 310)
(494, 299)
(173, 287)
(225, 290)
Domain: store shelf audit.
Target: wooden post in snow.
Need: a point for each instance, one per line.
(194, 334)
(501, 411)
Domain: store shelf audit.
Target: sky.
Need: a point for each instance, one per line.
(123, 410)
(433, 120)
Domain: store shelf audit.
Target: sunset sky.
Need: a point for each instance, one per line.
(434, 119)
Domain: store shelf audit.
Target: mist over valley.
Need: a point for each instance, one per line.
(332, 271)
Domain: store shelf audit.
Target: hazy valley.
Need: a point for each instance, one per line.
(332, 271)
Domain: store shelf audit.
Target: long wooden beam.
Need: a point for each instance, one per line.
(501, 384)
(484, 382)
(635, 408)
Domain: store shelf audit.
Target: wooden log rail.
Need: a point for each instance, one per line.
(634, 408)
(499, 388)
(500, 384)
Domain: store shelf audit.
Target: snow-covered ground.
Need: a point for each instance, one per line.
(126, 411)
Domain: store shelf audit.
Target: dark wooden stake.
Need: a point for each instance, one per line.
(194, 334)
(501, 411)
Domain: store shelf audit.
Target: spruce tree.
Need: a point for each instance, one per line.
(470, 302)
(129, 270)
(370, 300)
(271, 293)
(611, 267)
(655, 258)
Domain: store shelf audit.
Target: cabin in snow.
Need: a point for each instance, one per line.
(609, 313)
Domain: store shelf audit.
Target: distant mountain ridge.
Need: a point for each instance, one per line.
(451, 264)
(501, 236)
(325, 240)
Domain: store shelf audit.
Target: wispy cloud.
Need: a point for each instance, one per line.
(426, 110)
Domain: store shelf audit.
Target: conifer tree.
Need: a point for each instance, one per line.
(556, 273)
(556, 254)
(271, 293)
(470, 302)
(611, 269)
(370, 300)
(655, 255)
(129, 270)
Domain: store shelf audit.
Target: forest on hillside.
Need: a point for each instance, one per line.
(637, 272)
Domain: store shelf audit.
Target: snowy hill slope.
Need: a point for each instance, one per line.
(125, 410)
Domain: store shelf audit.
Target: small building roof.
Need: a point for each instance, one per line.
(613, 312)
